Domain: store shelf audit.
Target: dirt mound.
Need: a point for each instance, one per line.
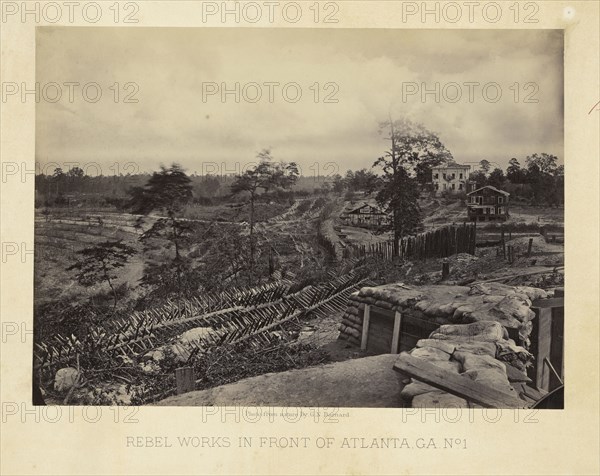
(379, 387)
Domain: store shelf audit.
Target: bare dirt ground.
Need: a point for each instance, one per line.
(380, 387)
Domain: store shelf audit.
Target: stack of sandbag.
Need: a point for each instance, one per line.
(467, 349)
(506, 305)
(352, 320)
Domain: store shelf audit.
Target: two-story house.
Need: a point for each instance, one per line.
(450, 177)
(487, 203)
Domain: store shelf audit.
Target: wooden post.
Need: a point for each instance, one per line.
(186, 380)
(509, 254)
(396, 335)
(559, 292)
(445, 269)
(365, 327)
(529, 247)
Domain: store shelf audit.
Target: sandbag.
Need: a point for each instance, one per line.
(470, 361)
(430, 353)
(438, 399)
(490, 331)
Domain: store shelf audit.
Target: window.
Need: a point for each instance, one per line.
(453, 186)
(501, 210)
(453, 176)
(461, 176)
(491, 210)
(460, 185)
(444, 175)
(445, 186)
(500, 199)
(437, 186)
(436, 176)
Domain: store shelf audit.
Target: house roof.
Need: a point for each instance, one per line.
(491, 188)
(354, 210)
(451, 165)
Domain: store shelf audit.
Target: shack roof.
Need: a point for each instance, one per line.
(491, 188)
(363, 205)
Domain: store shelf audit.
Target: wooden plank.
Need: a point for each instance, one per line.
(365, 327)
(544, 342)
(186, 380)
(456, 384)
(557, 346)
(549, 302)
(396, 335)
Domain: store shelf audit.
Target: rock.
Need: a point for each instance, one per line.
(196, 334)
(430, 353)
(438, 399)
(157, 355)
(65, 379)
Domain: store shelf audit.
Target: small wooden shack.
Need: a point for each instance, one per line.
(366, 215)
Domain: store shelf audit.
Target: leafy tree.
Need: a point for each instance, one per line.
(362, 180)
(545, 177)
(210, 186)
(514, 172)
(75, 172)
(411, 143)
(167, 191)
(98, 264)
(496, 178)
(485, 166)
(339, 185)
(478, 176)
(265, 176)
(417, 148)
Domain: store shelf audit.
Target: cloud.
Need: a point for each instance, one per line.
(369, 71)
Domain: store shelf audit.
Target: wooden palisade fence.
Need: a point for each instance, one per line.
(439, 243)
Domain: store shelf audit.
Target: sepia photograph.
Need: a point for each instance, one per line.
(299, 237)
(299, 217)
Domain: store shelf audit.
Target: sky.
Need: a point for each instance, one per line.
(371, 74)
